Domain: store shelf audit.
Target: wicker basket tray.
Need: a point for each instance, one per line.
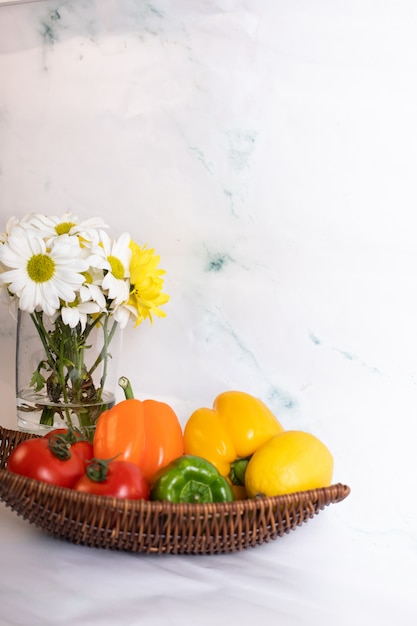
(155, 527)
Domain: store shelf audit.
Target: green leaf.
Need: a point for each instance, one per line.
(37, 381)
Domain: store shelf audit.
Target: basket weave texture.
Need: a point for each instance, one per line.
(155, 527)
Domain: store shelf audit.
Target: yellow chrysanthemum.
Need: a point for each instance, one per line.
(146, 284)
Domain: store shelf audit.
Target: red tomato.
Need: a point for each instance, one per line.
(82, 447)
(123, 480)
(61, 431)
(35, 459)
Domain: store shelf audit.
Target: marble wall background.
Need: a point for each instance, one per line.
(267, 150)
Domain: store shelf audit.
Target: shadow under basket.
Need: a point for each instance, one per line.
(156, 527)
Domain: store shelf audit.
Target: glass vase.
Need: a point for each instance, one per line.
(65, 376)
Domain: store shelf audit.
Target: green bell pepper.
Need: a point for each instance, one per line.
(192, 479)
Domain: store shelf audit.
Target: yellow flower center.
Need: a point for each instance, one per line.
(117, 267)
(63, 228)
(40, 268)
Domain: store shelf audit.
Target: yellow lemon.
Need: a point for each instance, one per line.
(291, 461)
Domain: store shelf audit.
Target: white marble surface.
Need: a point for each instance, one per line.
(267, 150)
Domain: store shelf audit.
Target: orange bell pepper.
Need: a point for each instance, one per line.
(146, 433)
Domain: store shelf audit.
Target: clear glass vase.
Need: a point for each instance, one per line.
(65, 376)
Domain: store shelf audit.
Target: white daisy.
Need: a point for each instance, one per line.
(9, 300)
(72, 314)
(114, 257)
(40, 276)
(91, 289)
(122, 315)
(11, 222)
(67, 224)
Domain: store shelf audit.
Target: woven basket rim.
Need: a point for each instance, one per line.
(333, 493)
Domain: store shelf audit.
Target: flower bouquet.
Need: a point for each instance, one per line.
(75, 286)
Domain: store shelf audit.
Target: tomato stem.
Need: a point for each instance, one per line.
(60, 447)
(97, 470)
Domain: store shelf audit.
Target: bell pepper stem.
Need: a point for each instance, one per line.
(237, 471)
(127, 387)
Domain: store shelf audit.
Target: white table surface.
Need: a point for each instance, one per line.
(325, 572)
(319, 574)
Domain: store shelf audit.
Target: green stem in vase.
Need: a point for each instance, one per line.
(43, 335)
(96, 321)
(105, 352)
(76, 365)
(62, 376)
(68, 382)
(47, 416)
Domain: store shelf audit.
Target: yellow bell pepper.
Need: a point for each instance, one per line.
(229, 433)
